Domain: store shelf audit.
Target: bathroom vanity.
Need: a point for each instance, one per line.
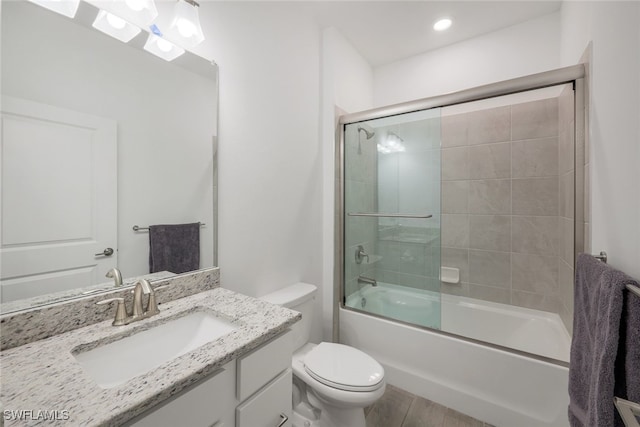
(240, 378)
(254, 390)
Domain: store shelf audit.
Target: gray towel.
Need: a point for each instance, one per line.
(599, 299)
(174, 247)
(627, 371)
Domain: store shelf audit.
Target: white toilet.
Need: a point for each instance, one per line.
(332, 383)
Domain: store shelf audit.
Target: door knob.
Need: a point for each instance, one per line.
(106, 252)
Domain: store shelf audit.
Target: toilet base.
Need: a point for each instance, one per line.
(349, 418)
(325, 415)
(298, 420)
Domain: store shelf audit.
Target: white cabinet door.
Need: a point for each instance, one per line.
(263, 364)
(270, 406)
(209, 403)
(59, 198)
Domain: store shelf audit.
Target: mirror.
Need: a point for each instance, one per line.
(158, 121)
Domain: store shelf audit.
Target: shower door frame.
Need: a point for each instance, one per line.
(575, 74)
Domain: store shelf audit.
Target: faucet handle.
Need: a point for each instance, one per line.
(152, 305)
(121, 312)
(360, 254)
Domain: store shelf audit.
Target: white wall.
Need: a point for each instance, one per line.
(526, 48)
(575, 22)
(347, 83)
(270, 159)
(165, 116)
(279, 87)
(614, 151)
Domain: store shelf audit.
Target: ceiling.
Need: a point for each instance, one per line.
(387, 31)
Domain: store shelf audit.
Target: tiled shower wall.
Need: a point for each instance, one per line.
(501, 206)
(409, 182)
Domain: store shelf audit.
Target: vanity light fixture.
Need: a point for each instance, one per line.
(138, 12)
(115, 26)
(185, 27)
(162, 48)
(442, 24)
(63, 7)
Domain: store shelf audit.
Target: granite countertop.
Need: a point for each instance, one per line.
(44, 375)
(22, 304)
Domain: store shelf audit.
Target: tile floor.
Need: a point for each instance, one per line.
(399, 408)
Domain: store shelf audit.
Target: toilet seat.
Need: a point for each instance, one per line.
(344, 368)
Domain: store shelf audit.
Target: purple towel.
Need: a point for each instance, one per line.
(605, 357)
(174, 247)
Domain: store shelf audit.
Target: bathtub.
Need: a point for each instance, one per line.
(498, 386)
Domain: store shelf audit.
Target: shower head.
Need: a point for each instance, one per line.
(367, 132)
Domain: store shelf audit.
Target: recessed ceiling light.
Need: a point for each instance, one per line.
(442, 24)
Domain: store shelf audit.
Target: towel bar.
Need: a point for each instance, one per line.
(136, 228)
(633, 289)
(628, 411)
(389, 215)
(602, 257)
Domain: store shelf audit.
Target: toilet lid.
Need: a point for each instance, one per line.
(343, 367)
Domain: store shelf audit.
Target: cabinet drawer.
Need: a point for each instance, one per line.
(263, 364)
(208, 403)
(269, 407)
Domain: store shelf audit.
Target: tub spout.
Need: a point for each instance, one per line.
(368, 280)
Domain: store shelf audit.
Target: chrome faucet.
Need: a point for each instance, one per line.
(115, 274)
(142, 287)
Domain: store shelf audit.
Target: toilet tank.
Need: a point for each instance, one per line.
(299, 297)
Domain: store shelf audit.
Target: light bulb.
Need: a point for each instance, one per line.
(164, 45)
(185, 28)
(115, 22)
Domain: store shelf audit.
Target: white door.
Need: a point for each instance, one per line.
(59, 199)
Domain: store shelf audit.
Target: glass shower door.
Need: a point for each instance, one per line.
(392, 217)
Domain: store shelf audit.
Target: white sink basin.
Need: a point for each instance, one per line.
(115, 363)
